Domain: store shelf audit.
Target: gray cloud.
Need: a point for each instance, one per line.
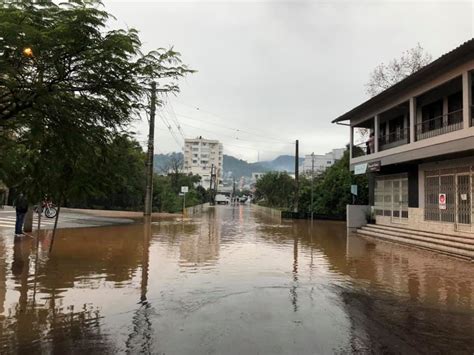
(283, 70)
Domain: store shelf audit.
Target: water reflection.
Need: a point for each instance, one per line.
(230, 282)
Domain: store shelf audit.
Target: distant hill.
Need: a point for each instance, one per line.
(238, 167)
(160, 161)
(282, 163)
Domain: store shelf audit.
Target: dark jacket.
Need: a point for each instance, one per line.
(21, 204)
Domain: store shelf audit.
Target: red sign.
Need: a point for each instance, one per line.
(442, 201)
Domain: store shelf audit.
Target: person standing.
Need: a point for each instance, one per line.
(21, 207)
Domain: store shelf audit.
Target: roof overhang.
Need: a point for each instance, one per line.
(456, 57)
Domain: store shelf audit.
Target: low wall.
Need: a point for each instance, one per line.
(271, 212)
(190, 211)
(357, 215)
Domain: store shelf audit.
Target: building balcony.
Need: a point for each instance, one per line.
(436, 126)
(360, 150)
(394, 139)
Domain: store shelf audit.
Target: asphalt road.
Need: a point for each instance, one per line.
(66, 220)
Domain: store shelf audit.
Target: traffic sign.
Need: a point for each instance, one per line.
(442, 201)
(184, 189)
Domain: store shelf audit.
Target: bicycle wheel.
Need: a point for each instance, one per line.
(50, 212)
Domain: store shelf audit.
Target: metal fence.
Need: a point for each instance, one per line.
(455, 183)
(436, 126)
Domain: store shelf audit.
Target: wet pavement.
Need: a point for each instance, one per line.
(230, 282)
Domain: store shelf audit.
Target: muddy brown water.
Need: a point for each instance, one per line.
(230, 282)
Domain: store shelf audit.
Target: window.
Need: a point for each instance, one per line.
(432, 116)
(455, 108)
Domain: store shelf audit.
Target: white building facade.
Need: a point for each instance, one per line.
(321, 161)
(200, 155)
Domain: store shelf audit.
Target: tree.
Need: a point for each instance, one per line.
(386, 75)
(276, 189)
(68, 88)
(332, 189)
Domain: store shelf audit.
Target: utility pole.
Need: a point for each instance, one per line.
(150, 153)
(211, 191)
(312, 183)
(297, 179)
(233, 190)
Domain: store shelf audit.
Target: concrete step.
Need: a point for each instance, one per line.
(438, 241)
(411, 232)
(461, 238)
(449, 248)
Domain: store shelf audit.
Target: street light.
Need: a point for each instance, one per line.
(28, 52)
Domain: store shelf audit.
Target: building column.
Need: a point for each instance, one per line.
(376, 133)
(466, 99)
(445, 111)
(351, 141)
(412, 119)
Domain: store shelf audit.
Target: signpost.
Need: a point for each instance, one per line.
(353, 193)
(184, 190)
(442, 201)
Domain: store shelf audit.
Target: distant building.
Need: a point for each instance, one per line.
(200, 155)
(321, 161)
(256, 176)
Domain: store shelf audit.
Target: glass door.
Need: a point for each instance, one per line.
(399, 200)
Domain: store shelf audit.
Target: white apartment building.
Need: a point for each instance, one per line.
(321, 161)
(200, 155)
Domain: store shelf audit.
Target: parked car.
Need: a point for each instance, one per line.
(222, 199)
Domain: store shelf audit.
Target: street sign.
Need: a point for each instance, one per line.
(374, 166)
(354, 190)
(442, 201)
(360, 169)
(184, 189)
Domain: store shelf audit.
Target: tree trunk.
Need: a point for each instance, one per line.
(28, 226)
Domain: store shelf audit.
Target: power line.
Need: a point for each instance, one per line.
(240, 146)
(170, 128)
(231, 128)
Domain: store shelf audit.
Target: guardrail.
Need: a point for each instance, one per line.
(359, 150)
(436, 126)
(193, 210)
(393, 139)
(268, 211)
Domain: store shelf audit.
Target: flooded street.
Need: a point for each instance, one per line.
(231, 281)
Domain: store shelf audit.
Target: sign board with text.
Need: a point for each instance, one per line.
(360, 169)
(374, 166)
(184, 189)
(442, 201)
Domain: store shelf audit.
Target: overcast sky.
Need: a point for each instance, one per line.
(282, 70)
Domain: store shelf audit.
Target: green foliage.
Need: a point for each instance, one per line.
(63, 106)
(276, 189)
(113, 180)
(332, 190)
(166, 192)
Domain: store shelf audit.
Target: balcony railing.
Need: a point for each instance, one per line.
(472, 115)
(359, 150)
(436, 126)
(394, 139)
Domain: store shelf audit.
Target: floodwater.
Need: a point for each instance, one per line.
(230, 282)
